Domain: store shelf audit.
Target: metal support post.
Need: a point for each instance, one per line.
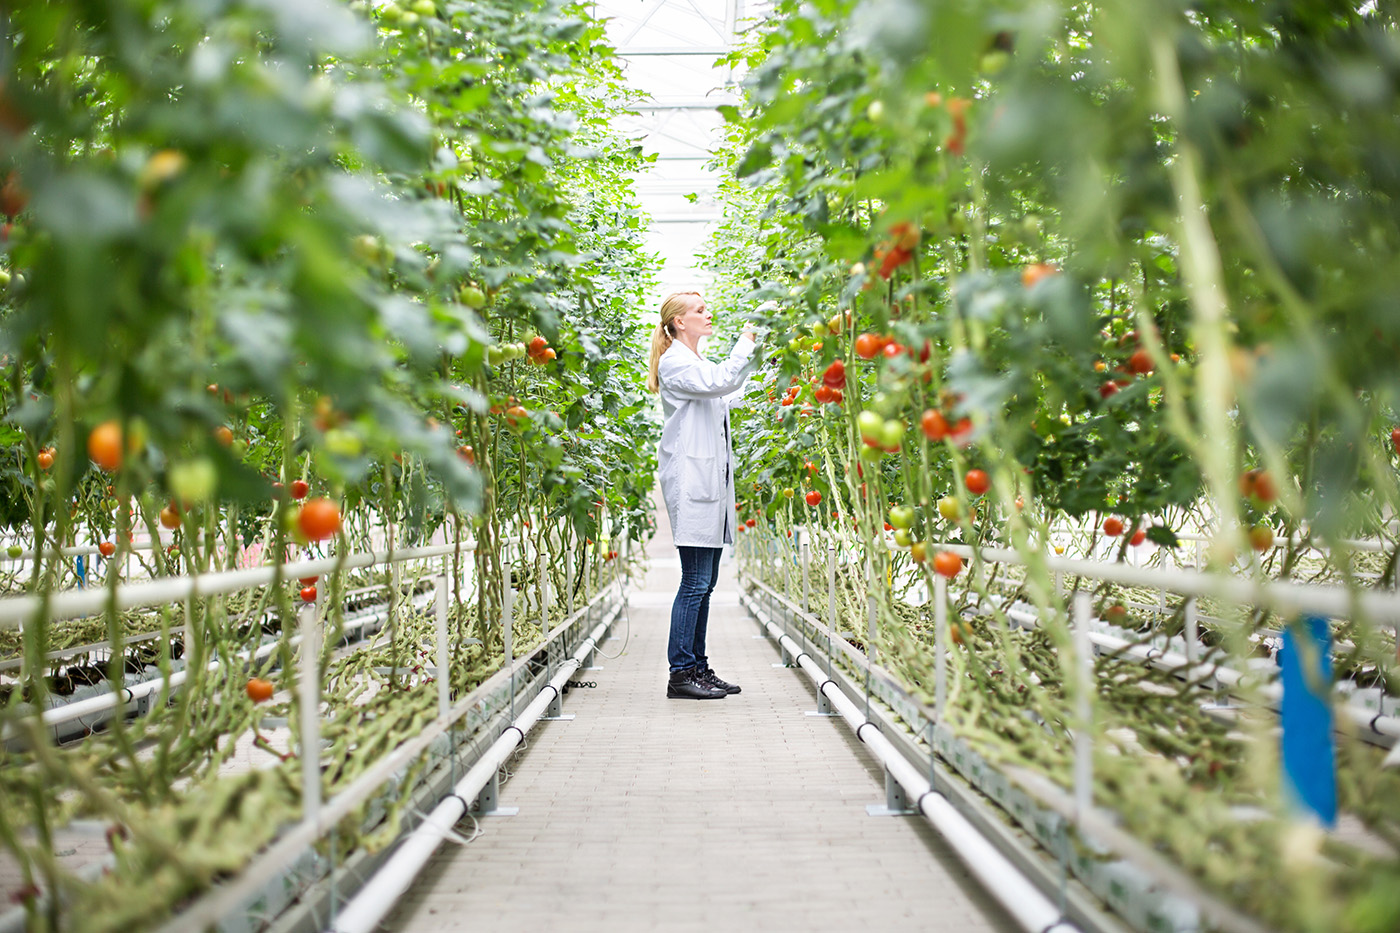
(940, 636)
(1083, 707)
(309, 701)
(804, 547)
(830, 604)
(444, 671)
(487, 801)
(896, 801)
(1192, 636)
(506, 625)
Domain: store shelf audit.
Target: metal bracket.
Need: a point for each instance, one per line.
(896, 802)
(486, 803)
(823, 707)
(554, 712)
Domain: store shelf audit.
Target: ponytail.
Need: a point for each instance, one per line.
(672, 307)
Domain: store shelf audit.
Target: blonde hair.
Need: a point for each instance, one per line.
(672, 307)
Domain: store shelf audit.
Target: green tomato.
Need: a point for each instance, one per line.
(391, 12)
(409, 19)
(344, 443)
(495, 356)
(902, 516)
(795, 345)
(15, 550)
(892, 433)
(994, 61)
(193, 480)
(948, 507)
(425, 7)
(4, 277)
(819, 330)
(870, 425)
(871, 454)
(902, 537)
(875, 113)
(472, 296)
(789, 492)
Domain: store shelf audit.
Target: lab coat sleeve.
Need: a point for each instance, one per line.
(690, 377)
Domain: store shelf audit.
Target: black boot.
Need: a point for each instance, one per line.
(710, 677)
(685, 685)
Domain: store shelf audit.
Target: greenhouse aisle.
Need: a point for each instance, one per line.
(649, 814)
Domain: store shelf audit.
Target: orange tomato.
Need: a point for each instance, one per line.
(947, 563)
(319, 519)
(259, 690)
(105, 446)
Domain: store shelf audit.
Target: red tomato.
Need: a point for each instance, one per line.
(170, 516)
(1395, 439)
(307, 581)
(1107, 389)
(813, 497)
(824, 393)
(1034, 273)
(867, 345)
(947, 563)
(893, 349)
(45, 458)
(538, 345)
(308, 594)
(835, 375)
(1140, 362)
(1112, 526)
(1138, 537)
(259, 690)
(319, 519)
(934, 425)
(106, 549)
(918, 551)
(1261, 537)
(224, 435)
(467, 453)
(300, 488)
(977, 482)
(751, 522)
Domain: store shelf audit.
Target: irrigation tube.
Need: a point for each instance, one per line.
(374, 901)
(1021, 899)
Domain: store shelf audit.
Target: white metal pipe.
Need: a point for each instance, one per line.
(75, 604)
(1228, 677)
(365, 911)
(105, 701)
(1031, 909)
(1285, 598)
(291, 845)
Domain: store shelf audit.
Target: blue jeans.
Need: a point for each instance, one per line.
(691, 610)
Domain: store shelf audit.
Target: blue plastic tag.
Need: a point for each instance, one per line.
(1309, 758)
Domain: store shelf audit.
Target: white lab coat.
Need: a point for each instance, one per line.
(695, 461)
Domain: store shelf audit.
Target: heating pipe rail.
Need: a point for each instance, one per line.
(1022, 900)
(1385, 728)
(106, 701)
(364, 912)
(73, 604)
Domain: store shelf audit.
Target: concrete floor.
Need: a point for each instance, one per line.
(651, 814)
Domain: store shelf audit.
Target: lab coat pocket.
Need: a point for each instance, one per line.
(702, 480)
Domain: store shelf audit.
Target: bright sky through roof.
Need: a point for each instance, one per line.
(669, 48)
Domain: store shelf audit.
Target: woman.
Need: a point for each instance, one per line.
(696, 465)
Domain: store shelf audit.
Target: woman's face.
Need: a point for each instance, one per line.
(694, 320)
